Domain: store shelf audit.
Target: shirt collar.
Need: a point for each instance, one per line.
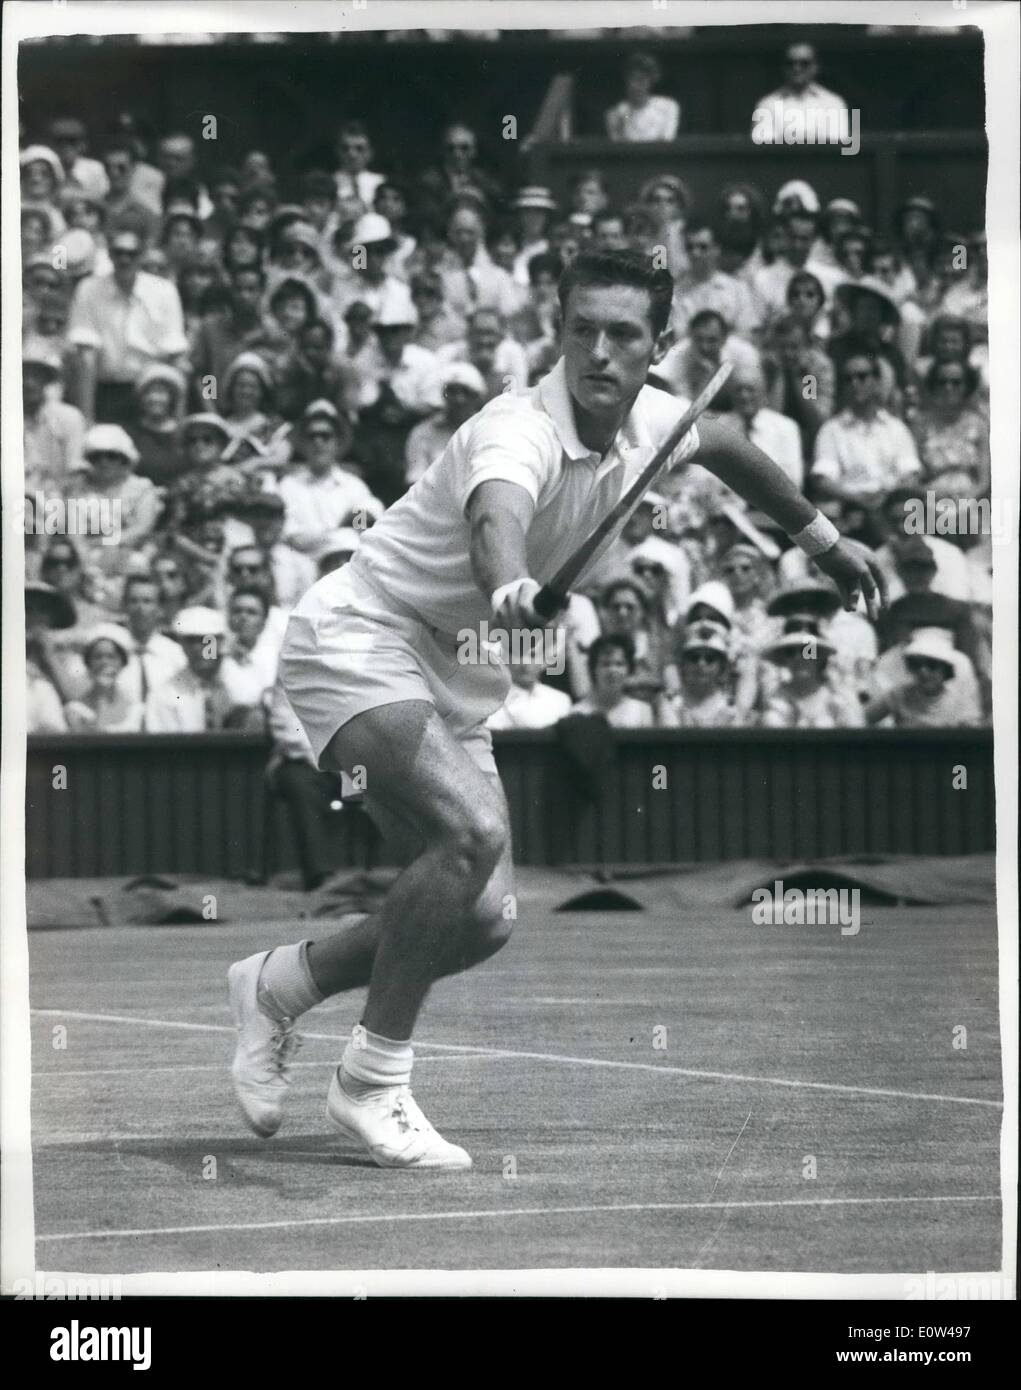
(555, 398)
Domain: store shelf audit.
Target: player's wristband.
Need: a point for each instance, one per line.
(499, 595)
(817, 537)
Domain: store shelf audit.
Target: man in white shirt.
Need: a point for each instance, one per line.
(388, 666)
(354, 178)
(863, 451)
(195, 700)
(705, 286)
(501, 362)
(687, 366)
(801, 103)
(320, 495)
(122, 323)
(67, 135)
(530, 703)
(772, 432)
(470, 279)
(154, 658)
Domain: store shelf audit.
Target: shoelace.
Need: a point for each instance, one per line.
(405, 1117)
(285, 1043)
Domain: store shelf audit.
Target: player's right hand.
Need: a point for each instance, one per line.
(512, 605)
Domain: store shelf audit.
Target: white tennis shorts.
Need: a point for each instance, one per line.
(349, 648)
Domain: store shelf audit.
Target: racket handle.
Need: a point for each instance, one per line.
(548, 602)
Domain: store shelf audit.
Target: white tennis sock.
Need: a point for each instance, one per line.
(374, 1061)
(286, 987)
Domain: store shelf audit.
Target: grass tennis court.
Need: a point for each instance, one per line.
(593, 1145)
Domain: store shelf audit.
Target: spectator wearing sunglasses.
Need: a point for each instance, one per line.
(703, 697)
(801, 94)
(808, 696)
(322, 493)
(125, 211)
(111, 481)
(951, 434)
(457, 172)
(931, 695)
(122, 323)
(705, 286)
(747, 576)
(864, 450)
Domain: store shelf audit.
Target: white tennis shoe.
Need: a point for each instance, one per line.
(265, 1047)
(388, 1123)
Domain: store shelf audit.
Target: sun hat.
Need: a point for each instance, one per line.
(109, 439)
(199, 622)
(463, 374)
(60, 608)
(713, 594)
(535, 195)
(706, 637)
(42, 154)
(808, 644)
(933, 646)
(109, 632)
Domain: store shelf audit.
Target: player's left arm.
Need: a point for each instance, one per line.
(754, 476)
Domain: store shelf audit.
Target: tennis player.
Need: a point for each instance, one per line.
(370, 666)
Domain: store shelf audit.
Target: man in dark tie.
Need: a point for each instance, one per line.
(155, 658)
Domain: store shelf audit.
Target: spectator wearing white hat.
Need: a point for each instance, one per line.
(121, 323)
(932, 696)
(402, 386)
(42, 179)
(195, 700)
(160, 393)
(365, 275)
(321, 494)
(111, 457)
(534, 206)
(53, 430)
(335, 550)
(464, 392)
(496, 356)
(105, 707)
(702, 699)
(807, 699)
(642, 116)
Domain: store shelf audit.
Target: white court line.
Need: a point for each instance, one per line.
(510, 1211)
(221, 1066)
(558, 1057)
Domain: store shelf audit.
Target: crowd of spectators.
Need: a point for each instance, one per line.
(246, 369)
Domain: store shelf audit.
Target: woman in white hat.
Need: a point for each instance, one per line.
(806, 698)
(534, 207)
(703, 699)
(249, 404)
(105, 707)
(159, 396)
(42, 178)
(131, 503)
(931, 697)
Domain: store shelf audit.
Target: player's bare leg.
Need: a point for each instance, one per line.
(444, 913)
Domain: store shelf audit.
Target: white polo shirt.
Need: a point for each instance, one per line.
(418, 552)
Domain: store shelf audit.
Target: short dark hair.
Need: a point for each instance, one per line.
(249, 591)
(631, 268)
(632, 585)
(544, 263)
(624, 645)
(133, 581)
(705, 316)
